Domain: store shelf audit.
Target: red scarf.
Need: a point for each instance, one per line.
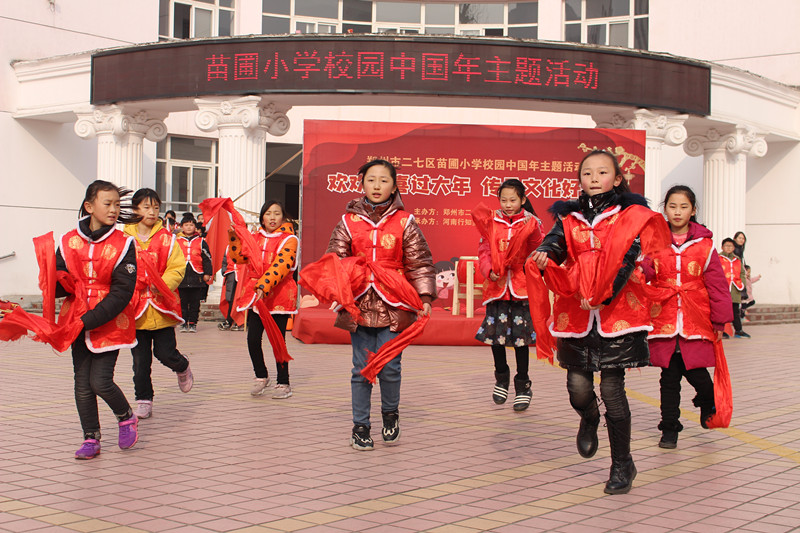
(60, 335)
(332, 279)
(214, 210)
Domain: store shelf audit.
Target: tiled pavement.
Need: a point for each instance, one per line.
(218, 460)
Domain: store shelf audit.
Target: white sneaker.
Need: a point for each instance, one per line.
(144, 408)
(282, 392)
(260, 386)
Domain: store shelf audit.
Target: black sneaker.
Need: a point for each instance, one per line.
(669, 440)
(360, 439)
(391, 427)
(725, 335)
(741, 335)
(224, 326)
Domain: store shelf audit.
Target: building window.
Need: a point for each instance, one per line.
(186, 172)
(186, 19)
(607, 22)
(513, 19)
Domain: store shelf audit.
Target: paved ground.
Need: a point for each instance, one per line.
(218, 460)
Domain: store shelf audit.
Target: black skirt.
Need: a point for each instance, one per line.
(507, 323)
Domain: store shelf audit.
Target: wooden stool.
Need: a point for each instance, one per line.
(467, 276)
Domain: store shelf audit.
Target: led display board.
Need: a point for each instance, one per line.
(465, 67)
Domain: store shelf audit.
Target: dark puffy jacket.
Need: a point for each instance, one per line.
(593, 352)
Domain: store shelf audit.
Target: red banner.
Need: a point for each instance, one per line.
(445, 170)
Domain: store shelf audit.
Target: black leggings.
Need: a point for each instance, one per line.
(580, 385)
(522, 354)
(94, 376)
(255, 335)
(699, 378)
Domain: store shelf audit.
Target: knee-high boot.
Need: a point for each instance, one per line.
(623, 470)
(587, 432)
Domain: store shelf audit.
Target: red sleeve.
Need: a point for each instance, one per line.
(719, 295)
(484, 258)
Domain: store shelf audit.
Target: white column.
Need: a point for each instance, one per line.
(119, 136)
(660, 129)
(725, 176)
(243, 124)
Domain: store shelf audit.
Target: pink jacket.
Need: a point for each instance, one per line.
(696, 353)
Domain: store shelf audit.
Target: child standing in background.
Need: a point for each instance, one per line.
(508, 318)
(198, 272)
(750, 300)
(737, 278)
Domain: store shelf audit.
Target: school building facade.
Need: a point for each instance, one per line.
(61, 128)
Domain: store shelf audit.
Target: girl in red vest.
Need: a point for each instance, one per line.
(688, 315)
(601, 333)
(156, 314)
(508, 317)
(104, 260)
(276, 286)
(198, 272)
(736, 276)
(376, 227)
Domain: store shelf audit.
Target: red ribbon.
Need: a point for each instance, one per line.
(539, 303)
(332, 279)
(147, 261)
(723, 393)
(60, 335)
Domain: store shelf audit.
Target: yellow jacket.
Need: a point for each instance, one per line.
(152, 318)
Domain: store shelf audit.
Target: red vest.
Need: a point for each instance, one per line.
(282, 299)
(93, 263)
(160, 249)
(683, 306)
(628, 312)
(514, 279)
(193, 251)
(733, 271)
(380, 242)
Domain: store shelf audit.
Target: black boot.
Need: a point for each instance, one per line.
(524, 394)
(669, 434)
(587, 432)
(707, 409)
(620, 479)
(500, 392)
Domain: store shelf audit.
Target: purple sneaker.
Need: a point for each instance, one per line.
(88, 450)
(128, 432)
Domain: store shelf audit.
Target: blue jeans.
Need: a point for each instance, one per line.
(371, 339)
